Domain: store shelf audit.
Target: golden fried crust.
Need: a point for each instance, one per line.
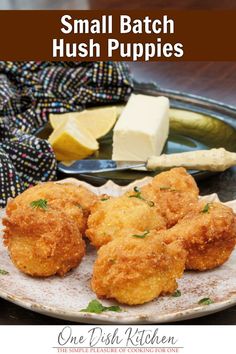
(84, 197)
(176, 178)
(75, 201)
(44, 243)
(209, 237)
(111, 218)
(134, 270)
(175, 192)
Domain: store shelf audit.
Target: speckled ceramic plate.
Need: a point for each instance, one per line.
(65, 297)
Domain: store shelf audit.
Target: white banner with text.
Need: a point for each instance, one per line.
(117, 339)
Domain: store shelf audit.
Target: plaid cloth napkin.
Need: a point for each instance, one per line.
(29, 91)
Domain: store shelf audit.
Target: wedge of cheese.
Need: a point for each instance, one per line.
(142, 128)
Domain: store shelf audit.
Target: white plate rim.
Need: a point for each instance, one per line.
(109, 318)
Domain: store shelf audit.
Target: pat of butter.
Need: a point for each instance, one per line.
(142, 128)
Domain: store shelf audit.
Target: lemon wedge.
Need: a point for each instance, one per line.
(57, 119)
(98, 121)
(71, 141)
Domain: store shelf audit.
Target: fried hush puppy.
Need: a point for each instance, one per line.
(44, 226)
(110, 218)
(160, 204)
(208, 234)
(177, 178)
(75, 201)
(43, 242)
(175, 192)
(137, 269)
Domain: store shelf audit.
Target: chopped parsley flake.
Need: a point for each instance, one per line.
(177, 293)
(104, 199)
(142, 235)
(3, 272)
(205, 301)
(139, 196)
(206, 208)
(137, 193)
(96, 307)
(39, 204)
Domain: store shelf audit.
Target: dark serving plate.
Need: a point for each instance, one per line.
(214, 126)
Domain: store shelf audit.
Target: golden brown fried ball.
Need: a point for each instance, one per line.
(177, 178)
(42, 243)
(136, 270)
(75, 201)
(110, 218)
(44, 227)
(208, 234)
(175, 192)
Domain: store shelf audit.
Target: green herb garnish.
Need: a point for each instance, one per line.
(39, 204)
(139, 196)
(206, 208)
(3, 272)
(205, 301)
(96, 307)
(137, 193)
(104, 199)
(141, 236)
(177, 293)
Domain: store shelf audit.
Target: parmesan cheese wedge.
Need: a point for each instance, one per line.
(142, 128)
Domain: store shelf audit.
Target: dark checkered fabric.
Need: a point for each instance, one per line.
(29, 91)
